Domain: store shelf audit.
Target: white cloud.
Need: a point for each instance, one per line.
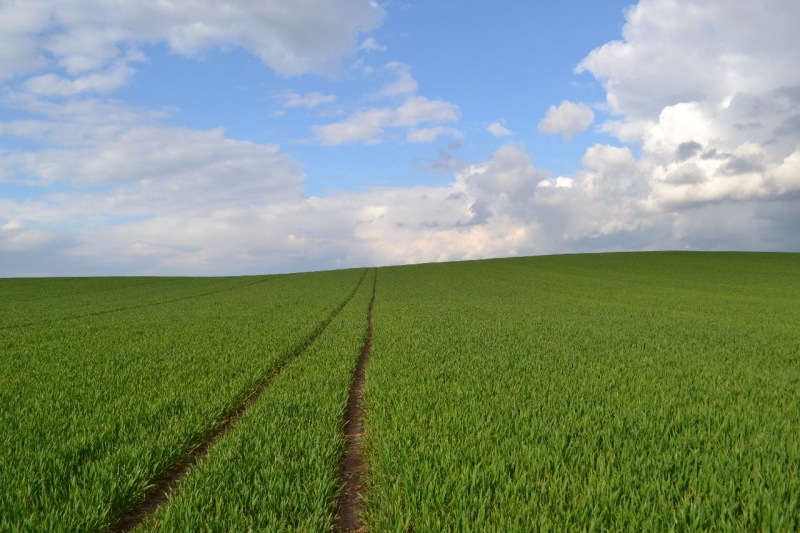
(498, 130)
(290, 99)
(115, 76)
(715, 166)
(86, 36)
(404, 84)
(418, 109)
(560, 181)
(20, 51)
(567, 119)
(676, 51)
(143, 166)
(369, 125)
(371, 44)
(504, 206)
(15, 237)
(363, 126)
(722, 130)
(429, 135)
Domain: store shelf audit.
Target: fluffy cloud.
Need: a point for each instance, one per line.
(504, 206)
(369, 125)
(115, 162)
(676, 51)
(567, 119)
(715, 164)
(498, 130)
(89, 35)
(724, 130)
(484, 212)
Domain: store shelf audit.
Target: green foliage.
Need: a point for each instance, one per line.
(106, 383)
(634, 392)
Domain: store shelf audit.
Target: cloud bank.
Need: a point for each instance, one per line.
(707, 159)
(90, 41)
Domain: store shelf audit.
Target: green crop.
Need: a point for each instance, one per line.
(42, 302)
(633, 392)
(607, 392)
(102, 390)
(277, 470)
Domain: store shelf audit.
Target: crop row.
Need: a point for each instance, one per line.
(625, 392)
(95, 409)
(277, 470)
(42, 302)
(655, 391)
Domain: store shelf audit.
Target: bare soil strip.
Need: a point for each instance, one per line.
(162, 488)
(352, 465)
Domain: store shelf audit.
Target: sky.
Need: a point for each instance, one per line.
(199, 137)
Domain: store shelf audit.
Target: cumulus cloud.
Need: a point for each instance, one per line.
(369, 125)
(723, 130)
(567, 119)
(481, 213)
(713, 163)
(498, 130)
(116, 162)
(89, 35)
(673, 52)
(504, 206)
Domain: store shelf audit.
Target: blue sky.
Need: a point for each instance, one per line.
(201, 138)
(525, 53)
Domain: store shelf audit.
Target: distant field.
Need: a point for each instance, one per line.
(637, 391)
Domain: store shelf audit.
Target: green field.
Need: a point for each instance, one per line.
(625, 392)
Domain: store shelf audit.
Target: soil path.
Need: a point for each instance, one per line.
(160, 492)
(352, 465)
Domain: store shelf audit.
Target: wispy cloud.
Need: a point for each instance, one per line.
(291, 99)
(371, 44)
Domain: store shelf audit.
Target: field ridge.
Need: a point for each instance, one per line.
(161, 489)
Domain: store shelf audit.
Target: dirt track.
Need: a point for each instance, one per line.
(352, 466)
(163, 487)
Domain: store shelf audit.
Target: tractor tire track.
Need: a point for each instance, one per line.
(162, 487)
(352, 466)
